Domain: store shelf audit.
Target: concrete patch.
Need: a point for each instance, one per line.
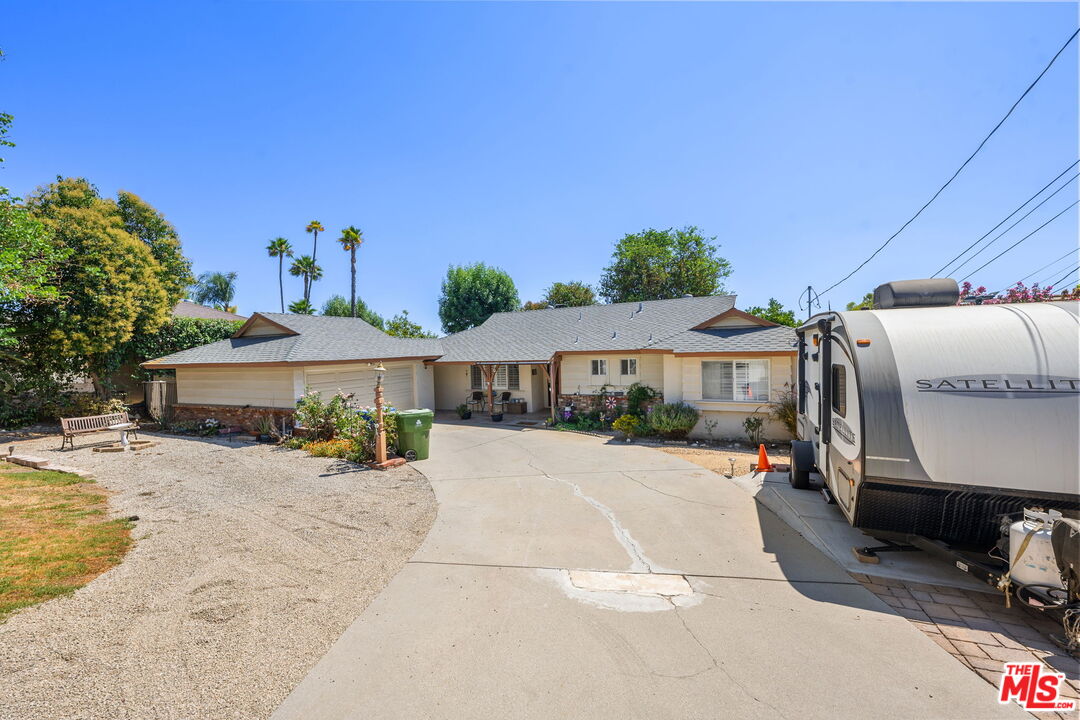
(666, 585)
(624, 592)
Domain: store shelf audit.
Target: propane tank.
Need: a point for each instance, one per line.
(1031, 552)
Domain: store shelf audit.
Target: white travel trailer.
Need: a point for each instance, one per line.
(932, 420)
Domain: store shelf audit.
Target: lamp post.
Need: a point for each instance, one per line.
(380, 430)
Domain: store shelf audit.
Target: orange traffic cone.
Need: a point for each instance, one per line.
(763, 464)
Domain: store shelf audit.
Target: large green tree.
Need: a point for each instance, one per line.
(664, 264)
(110, 286)
(472, 293)
(774, 312)
(568, 294)
(338, 306)
(305, 267)
(867, 303)
(401, 326)
(148, 225)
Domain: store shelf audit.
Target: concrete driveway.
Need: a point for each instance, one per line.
(566, 577)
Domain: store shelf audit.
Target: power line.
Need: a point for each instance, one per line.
(1053, 262)
(1006, 230)
(1074, 204)
(962, 166)
(1041, 190)
(1062, 278)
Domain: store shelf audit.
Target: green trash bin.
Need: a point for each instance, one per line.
(414, 428)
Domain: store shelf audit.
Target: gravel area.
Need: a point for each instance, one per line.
(716, 459)
(249, 562)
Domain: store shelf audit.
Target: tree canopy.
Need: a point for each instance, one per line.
(867, 303)
(775, 312)
(110, 285)
(472, 293)
(664, 264)
(216, 289)
(568, 294)
(338, 306)
(401, 326)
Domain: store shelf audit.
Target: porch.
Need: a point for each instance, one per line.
(534, 419)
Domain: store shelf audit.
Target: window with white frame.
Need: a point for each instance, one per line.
(507, 377)
(735, 380)
(628, 366)
(599, 368)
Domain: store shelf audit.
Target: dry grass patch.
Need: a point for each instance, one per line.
(54, 536)
(717, 459)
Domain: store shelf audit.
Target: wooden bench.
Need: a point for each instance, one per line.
(91, 424)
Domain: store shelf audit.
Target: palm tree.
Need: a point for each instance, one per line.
(280, 248)
(302, 307)
(215, 289)
(352, 238)
(305, 267)
(314, 227)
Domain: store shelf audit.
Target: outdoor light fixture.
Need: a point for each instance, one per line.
(380, 371)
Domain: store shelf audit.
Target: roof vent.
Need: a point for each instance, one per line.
(688, 295)
(631, 314)
(579, 315)
(613, 334)
(640, 306)
(934, 292)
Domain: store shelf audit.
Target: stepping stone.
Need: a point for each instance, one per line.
(66, 469)
(29, 461)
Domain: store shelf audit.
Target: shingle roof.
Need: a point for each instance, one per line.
(536, 335)
(319, 339)
(742, 339)
(513, 337)
(194, 310)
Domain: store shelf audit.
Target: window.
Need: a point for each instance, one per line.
(507, 377)
(735, 380)
(839, 390)
(599, 368)
(628, 366)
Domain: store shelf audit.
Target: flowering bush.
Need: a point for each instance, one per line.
(358, 427)
(627, 424)
(208, 427)
(337, 448)
(321, 419)
(1018, 293)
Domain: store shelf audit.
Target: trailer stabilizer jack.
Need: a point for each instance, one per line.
(869, 554)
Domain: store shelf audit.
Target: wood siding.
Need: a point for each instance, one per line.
(262, 387)
(577, 372)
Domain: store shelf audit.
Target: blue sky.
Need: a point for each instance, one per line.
(532, 136)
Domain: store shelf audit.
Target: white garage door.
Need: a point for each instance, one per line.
(360, 380)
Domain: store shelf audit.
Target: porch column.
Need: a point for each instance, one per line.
(489, 380)
(552, 371)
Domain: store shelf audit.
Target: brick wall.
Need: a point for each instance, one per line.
(231, 415)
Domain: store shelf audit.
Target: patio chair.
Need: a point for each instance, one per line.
(476, 401)
(500, 404)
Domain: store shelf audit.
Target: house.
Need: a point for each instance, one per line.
(701, 350)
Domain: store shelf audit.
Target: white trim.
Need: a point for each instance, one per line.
(733, 362)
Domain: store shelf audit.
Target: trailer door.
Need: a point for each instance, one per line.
(845, 441)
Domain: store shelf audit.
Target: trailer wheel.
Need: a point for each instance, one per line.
(802, 459)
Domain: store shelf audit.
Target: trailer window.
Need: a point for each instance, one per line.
(839, 390)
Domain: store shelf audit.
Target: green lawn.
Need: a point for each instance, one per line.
(54, 535)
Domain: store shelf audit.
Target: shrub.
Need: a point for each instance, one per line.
(358, 428)
(337, 448)
(296, 443)
(321, 418)
(786, 411)
(636, 396)
(627, 424)
(673, 420)
(752, 425)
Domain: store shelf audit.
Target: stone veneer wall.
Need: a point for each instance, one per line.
(231, 415)
(587, 403)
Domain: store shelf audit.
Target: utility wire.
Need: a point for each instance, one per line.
(1055, 262)
(964, 165)
(1062, 278)
(1006, 230)
(1074, 204)
(1041, 190)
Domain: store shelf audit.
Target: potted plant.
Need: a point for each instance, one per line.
(496, 417)
(265, 429)
(464, 412)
